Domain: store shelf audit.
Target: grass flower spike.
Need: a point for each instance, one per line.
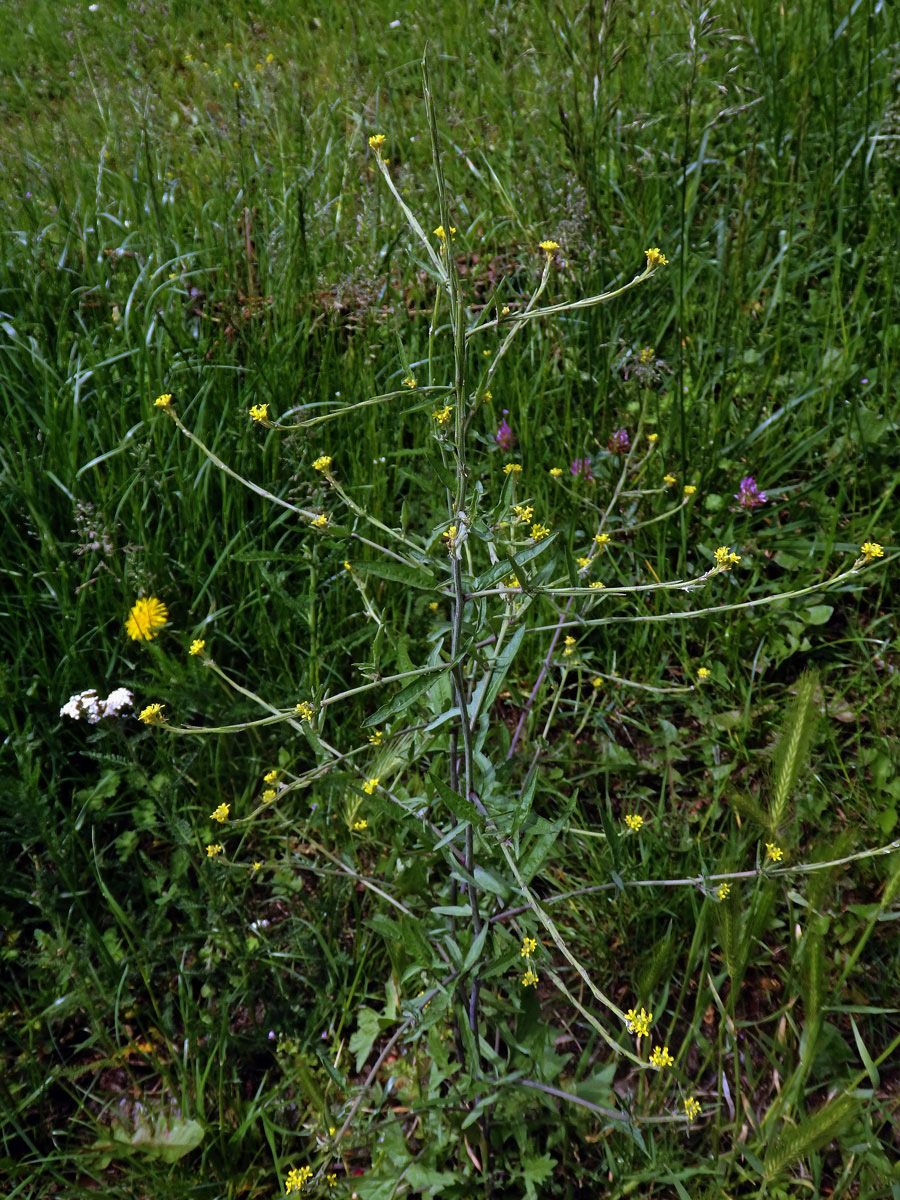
(146, 618)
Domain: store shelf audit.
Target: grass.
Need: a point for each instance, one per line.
(176, 1025)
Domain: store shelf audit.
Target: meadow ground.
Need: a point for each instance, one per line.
(439, 871)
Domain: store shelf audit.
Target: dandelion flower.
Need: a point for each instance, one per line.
(146, 618)
(634, 822)
(661, 1058)
(723, 891)
(872, 550)
(638, 1022)
(259, 412)
(370, 785)
(691, 1108)
(163, 401)
(530, 978)
(220, 814)
(198, 645)
(213, 849)
(529, 945)
(322, 463)
(773, 852)
(655, 258)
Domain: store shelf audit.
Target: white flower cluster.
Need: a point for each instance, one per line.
(88, 704)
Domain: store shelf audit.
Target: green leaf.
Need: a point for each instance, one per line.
(397, 572)
(499, 667)
(464, 809)
(368, 1027)
(406, 696)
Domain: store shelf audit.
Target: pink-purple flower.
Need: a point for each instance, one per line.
(619, 441)
(581, 469)
(749, 495)
(504, 437)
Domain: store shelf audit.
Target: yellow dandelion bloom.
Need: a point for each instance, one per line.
(146, 618)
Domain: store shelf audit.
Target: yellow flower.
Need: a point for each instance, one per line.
(656, 258)
(597, 682)
(689, 489)
(296, 1179)
(198, 645)
(450, 535)
(259, 412)
(376, 737)
(319, 521)
(529, 945)
(331, 1180)
(549, 247)
(668, 480)
(152, 714)
(322, 463)
(652, 437)
(235, 84)
(439, 232)
(270, 58)
(410, 382)
(213, 849)
(570, 642)
(146, 618)
(370, 785)
(360, 825)
(270, 776)
(602, 539)
(556, 472)
(633, 821)
(305, 709)
(220, 814)
(164, 400)
(512, 469)
(647, 354)
(434, 605)
(872, 550)
(539, 531)
(530, 978)
(703, 674)
(661, 1058)
(376, 141)
(255, 866)
(442, 415)
(597, 585)
(269, 795)
(638, 1022)
(513, 582)
(691, 1108)
(725, 558)
(773, 852)
(347, 566)
(488, 395)
(723, 890)
(524, 512)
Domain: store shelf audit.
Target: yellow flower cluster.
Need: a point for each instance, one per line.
(214, 849)
(164, 400)
(442, 415)
(152, 714)
(634, 822)
(638, 1022)
(220, 814)
(146, 618)
(322, 463)
(530, 978)
(691, 1108)
(661, 1058)
(305, 709)
(656, 258)
(198, 645)
(726, 559)
(370, 785)
(773, 852)
(259, 412)
(297, 1179)
(539, 531)
(549, 247)
(723, 891)
(376, 141)
(872, 550)
(512, 469)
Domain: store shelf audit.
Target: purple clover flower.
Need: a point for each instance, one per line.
(619, 442)
(504, 437)
(581, 469)
(749, 495)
